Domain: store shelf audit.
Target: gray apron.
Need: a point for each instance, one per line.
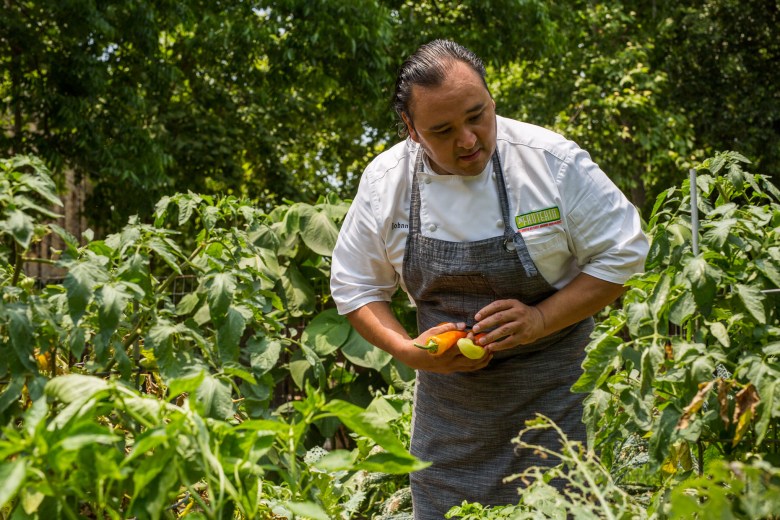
(464, 423)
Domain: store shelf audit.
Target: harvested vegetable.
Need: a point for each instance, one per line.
(441, 343)
(470, 349)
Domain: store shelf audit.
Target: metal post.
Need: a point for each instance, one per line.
(694, 212)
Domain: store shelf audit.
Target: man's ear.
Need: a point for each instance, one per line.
(410, 127)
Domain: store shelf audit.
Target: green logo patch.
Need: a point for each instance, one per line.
(537, 219)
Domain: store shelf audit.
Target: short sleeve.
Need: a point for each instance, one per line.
(605, 227)
(361, 272)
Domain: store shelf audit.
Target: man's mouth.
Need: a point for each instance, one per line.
(471, 156)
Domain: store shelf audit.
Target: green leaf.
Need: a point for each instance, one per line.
(12, 476)
(362, 353)
(769, 270)
(298, 292)
(337, 460)
(79, 284)
(298, 369)
(704, 281)
(753, 300)
(229, 335)
(659, 299)
(41, 182)
(87, 434)
(391, 463)
(21, 334)
(12, 392)
(75, 387)
(718, 330)
(20, 226)
(771, 349)
(167, 251)
(220, 287)
(718, 232)
(602, 358)
(263, 353)
(682, 308)
(214, 398)
(111, 305)
(659, 250)
(187, 381)
(639, 318)
(368, 425)
(326, 332)
(187, 203)
(319, 233)
(307, 510)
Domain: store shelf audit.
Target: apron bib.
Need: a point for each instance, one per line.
(464, 423)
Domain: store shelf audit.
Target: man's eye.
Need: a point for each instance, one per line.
(442, 132)
(476, 118)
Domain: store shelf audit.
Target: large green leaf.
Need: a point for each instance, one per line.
(601, 360)
(229, 334)
(75, 387)
(19, 225)
(752, 298)
(718, 233)
(111, 300)
(362, 353)
(213, 398)
(770, 270)
(703, 280)
(319, 232)
(298, 292)
(80, 283)
(20, 330)
(263, 352)
(308, 510)
(367, 424)
(12, 476)
(221, 287)
(326, 332)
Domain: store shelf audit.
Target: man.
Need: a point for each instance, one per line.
(493, 225)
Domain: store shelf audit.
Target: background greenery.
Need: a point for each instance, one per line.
(289, 99)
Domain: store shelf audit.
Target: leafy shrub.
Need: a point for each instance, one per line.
(123, 395)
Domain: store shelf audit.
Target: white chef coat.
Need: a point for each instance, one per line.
(572, 217)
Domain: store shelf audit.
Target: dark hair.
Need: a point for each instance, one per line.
(428, 67)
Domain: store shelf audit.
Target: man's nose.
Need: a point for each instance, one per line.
(466, 139)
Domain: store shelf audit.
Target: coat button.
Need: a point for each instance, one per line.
(500, 223)
(427, 180)
(432, 227)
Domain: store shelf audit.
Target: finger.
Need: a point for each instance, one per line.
(492, 308)
(504, 344)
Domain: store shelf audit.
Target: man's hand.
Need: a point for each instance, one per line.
(509, 323)
(448, 362)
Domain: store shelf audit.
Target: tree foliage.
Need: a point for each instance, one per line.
(289, 99)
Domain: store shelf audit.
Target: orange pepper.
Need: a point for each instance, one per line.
(441, 343)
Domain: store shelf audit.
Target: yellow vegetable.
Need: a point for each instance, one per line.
(470, 349)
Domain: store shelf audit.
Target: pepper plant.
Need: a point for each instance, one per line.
(123, 395)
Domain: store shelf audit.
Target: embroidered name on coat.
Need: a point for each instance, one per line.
(538, 219)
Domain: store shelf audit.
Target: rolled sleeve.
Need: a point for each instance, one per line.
(606, 230)
(361, 272)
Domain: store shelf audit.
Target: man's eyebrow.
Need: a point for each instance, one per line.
(476, 108)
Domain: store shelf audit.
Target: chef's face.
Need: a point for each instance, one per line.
(454, 122)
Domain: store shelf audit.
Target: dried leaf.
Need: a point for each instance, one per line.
(695, 405)
(745, 409)
(723, 400)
